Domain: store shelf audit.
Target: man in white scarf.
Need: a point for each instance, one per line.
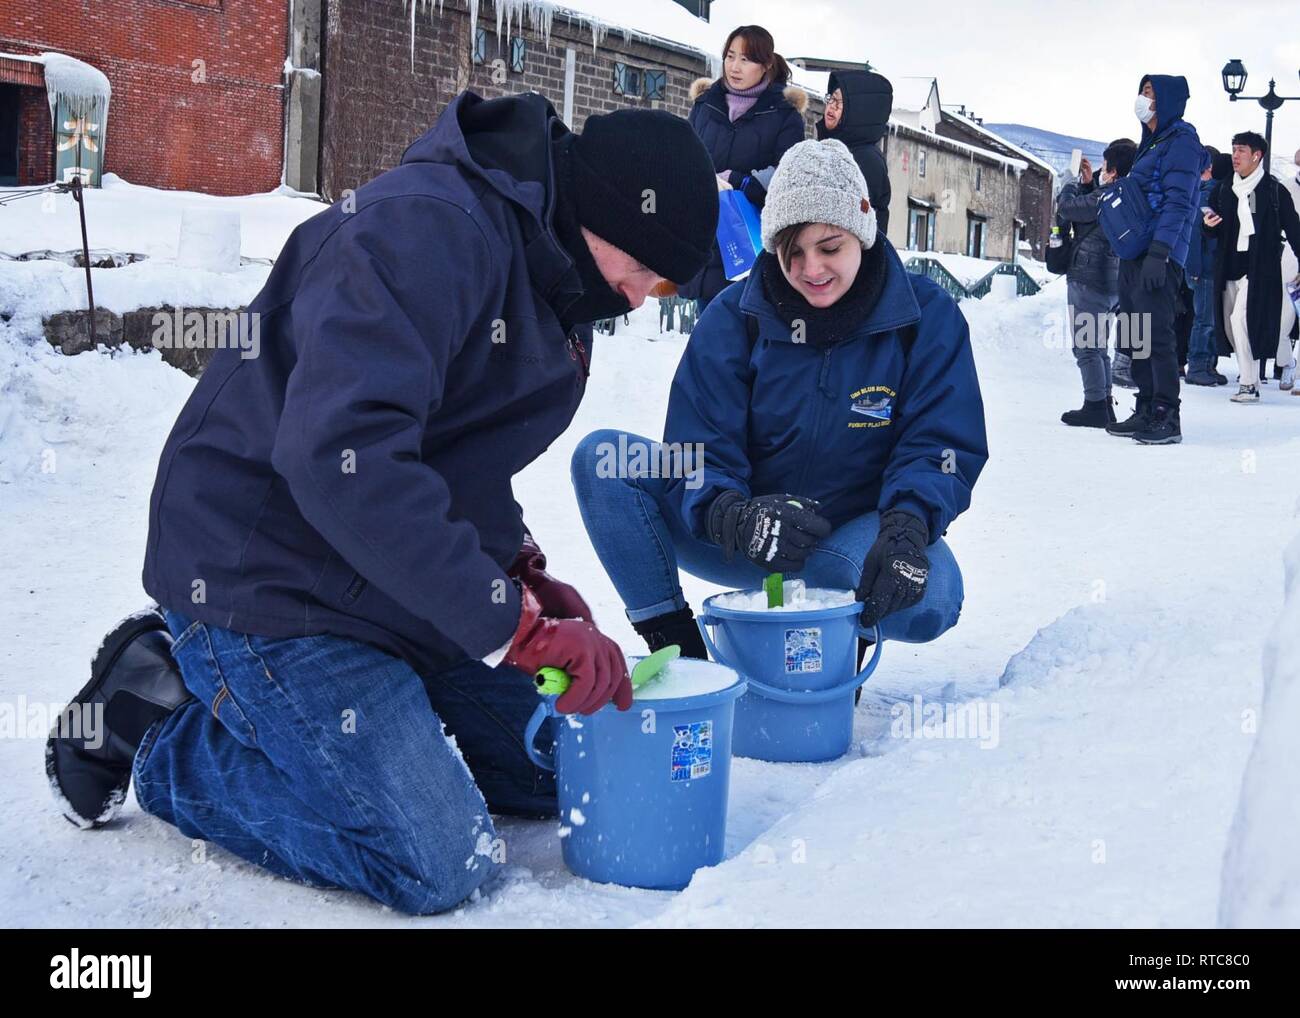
(1249, 154)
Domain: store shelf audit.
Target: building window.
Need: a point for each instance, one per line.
(628, 80)
(518, 51)
(480, 46)
(920, 163)
(920, 229)
(655, 82)
(975, 237)
(979, 177)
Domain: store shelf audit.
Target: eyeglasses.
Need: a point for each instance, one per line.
(832, 100)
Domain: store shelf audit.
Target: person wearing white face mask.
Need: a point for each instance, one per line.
(1167, 170)
(1250, 213)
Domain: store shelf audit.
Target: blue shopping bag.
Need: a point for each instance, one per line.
(740, 234)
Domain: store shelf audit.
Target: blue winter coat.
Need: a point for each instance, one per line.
(863, 424)
(1201, 250)
(1168, 166)
(754, 141)
(355, 478)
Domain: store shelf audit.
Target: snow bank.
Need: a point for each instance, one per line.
(128, 218)
(1261, 868)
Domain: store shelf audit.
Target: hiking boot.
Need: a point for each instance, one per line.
(1163, 427)
(1201, 376)
(677, 627)
(1095, 413)
(1130, 427)
(1245, 394)
(133, 682)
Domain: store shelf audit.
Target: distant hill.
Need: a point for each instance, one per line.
(1049, 146)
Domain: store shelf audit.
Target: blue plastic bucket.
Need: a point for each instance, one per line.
(801, 671)
(642, 792)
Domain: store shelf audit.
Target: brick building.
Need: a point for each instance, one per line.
(235, 96)
(197, 88)
(386, 78)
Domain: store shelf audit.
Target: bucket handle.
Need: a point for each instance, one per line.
(545, 709)
(810, 696)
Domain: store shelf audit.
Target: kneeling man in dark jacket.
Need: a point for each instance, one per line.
(342, 573)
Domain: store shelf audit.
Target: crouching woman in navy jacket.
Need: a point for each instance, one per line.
(833, 401)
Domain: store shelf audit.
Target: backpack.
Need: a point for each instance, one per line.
(1057, 259)
(1126, 216)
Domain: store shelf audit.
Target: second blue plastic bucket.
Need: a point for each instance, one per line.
(643, 792)
(800, 668)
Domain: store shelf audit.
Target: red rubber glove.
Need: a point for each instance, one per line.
(595, 663)
(558, 599)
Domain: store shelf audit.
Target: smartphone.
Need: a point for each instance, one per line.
(1076, 157)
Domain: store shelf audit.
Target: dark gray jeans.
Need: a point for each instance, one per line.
(1089, 329)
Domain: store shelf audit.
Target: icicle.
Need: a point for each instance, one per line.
(85, 90)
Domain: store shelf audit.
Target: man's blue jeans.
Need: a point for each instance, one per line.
(642, 541)
(324, 759)
(1202, 350)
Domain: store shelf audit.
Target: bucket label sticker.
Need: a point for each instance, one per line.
(692, 750)
(803, 650)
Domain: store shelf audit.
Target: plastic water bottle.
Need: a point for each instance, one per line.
(1055, 240)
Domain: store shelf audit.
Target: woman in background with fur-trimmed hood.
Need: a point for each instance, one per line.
(747, 120)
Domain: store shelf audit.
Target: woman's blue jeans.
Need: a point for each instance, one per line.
(642, 542)
(328, 761)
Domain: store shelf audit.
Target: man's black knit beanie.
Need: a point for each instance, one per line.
(643, 181)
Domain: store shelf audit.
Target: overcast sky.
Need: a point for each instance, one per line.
(1067, 67)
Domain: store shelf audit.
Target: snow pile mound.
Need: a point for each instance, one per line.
(62, 416)
(1261, 868)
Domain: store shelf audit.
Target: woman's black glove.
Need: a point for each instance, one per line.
(896, 567)
(775, 532)
(754, 191)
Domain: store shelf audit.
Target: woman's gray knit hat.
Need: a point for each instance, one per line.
(818, 182)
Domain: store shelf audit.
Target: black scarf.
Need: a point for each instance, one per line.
(825, 326)
(599, 300)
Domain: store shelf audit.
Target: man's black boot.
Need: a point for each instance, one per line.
(1164, 428)
(1095, 413)
(677, 627)
(134, 682)
(1138, 422)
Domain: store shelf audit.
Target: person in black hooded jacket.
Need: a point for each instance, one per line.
(858, 104)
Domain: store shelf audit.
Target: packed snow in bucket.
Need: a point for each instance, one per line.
(798, 598)
(684, 677)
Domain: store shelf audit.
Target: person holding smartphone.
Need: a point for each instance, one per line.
(1092, 280)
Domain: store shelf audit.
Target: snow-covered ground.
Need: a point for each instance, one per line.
(1118, 602)
(128, 218)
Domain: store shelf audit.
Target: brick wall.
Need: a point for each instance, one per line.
(35, 137)
(375, 105)
(222, 134)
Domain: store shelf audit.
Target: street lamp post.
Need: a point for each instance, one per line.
(1234, 83)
